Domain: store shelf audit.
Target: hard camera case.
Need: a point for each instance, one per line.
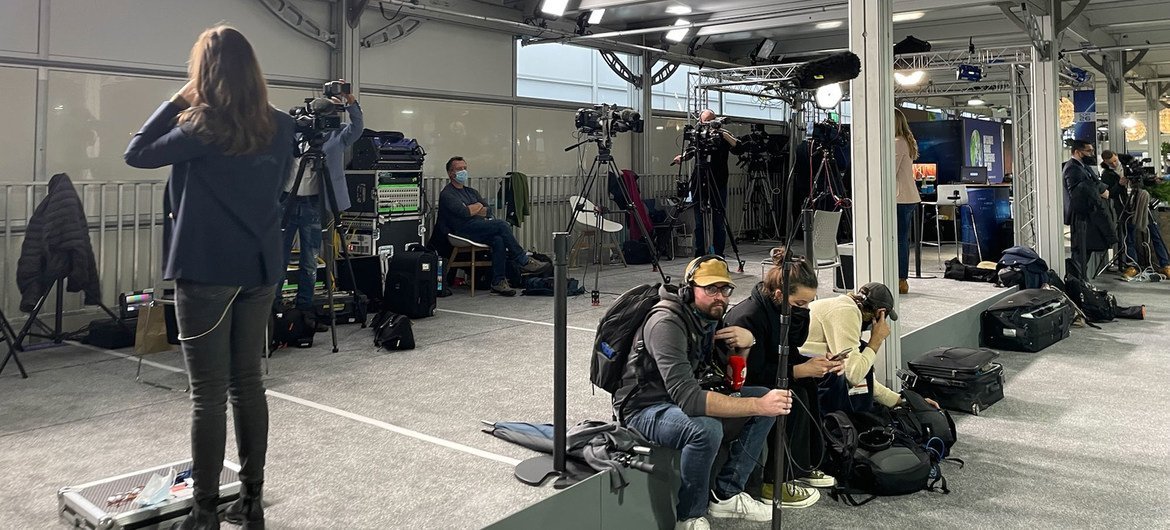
(959, 379)
(88, 505)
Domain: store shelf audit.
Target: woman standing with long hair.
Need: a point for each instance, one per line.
(905, 152)
(230, 153)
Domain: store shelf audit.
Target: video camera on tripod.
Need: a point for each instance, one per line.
(323, 114)
(702, 136)
(830, 133)
(757, 147)
(606, 120)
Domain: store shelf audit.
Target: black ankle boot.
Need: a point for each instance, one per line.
(248, 510)
(203, 516)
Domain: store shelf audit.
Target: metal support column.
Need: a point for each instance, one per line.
(1153, 135)
(872, 144)
(1048, 151)
(641, 101)
(1023, 161)
(345, 59)
(1115, 81)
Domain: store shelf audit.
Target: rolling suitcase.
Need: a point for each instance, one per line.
(412, 283)
(959, 379)
(108, 503)
(1030, 320)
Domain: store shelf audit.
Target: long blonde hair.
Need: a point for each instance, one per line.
(902, 128)
(231, 104)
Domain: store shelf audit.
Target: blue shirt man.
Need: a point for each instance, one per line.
(463, 212)
(305, 209)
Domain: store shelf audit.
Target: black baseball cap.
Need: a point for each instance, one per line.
(878, 296)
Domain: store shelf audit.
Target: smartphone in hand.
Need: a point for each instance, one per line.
(844, 354)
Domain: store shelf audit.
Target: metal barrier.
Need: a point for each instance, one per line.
(125, 223)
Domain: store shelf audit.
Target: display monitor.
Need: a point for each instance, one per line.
(973, 175)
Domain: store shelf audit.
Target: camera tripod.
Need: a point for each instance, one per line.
(759, 219)
(313, 159)
(604, 161)
(706, 200)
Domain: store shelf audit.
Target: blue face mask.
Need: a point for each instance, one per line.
(461, 176)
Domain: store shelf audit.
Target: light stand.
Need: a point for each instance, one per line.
(536, 470)
(778, 446)
(55, 334)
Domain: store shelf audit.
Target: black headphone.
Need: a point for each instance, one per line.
(686, 292)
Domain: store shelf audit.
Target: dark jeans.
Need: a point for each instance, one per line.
(713, 198)
(305, 221)
(1159, 257)
(699, 439)
(497, 234)
(223, 340)
(905, 226)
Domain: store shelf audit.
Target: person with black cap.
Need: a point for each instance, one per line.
(835, 326)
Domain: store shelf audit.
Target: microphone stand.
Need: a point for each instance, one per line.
(782, 384)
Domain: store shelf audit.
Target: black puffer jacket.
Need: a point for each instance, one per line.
(56, 245)
(761, 316)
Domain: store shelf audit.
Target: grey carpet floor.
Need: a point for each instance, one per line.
(1080, 440)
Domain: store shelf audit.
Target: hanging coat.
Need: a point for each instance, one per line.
(57, 246)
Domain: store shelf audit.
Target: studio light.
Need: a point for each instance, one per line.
(1080, 75)
(909, 79)
(1129, 122)
(966, 72)
(976, 102)
(554, 8)
(677, 35)
(763, 51)
(829, 96)
(595, 16)
(908, 16)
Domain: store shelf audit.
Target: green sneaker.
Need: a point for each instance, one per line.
(794, 495)
(819, 479)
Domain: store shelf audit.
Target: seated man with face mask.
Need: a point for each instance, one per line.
(464, 212)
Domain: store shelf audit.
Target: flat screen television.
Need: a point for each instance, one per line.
(973, 175)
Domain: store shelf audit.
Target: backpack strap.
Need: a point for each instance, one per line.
(639, 347)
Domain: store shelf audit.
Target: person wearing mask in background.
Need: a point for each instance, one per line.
(1086, 207)
(305, 209)
(463, 211)
(760, 314)
(1130, 213)
(835, 327)
(713, 195)
(230, 153)
(905, 153)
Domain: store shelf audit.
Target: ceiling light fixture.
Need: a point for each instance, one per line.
(829, 24)
(677, 35)
(1129, 122)
(909, 79)
(408, 111)
(595, 16)
(976, 101)
(678, 10)
(908, 16)
(829, 96)
(555, 8)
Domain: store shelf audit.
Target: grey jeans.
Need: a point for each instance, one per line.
(224, 334)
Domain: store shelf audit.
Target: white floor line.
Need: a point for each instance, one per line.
(578, 328)
(394, 428)
(336, 412)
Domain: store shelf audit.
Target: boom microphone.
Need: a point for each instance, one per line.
(826, 71)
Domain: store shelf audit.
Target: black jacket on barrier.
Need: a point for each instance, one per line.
(56, 246)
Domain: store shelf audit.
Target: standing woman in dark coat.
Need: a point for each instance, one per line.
(760, 314)
(230, 153)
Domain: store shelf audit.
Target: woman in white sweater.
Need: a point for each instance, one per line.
(905, 152)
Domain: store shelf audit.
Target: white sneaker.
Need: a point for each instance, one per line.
(741, 506)
(698, 523)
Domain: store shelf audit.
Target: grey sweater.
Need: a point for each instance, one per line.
(674, 349)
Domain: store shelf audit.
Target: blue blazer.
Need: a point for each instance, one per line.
(335, 145)
(222, 223)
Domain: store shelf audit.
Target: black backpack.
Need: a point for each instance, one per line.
(1023, 267)
(618, 330)
(931, 428)
(879, 461)
(1097, 304)
(392, 331)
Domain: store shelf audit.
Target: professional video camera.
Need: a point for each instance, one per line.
(757, 146)
(322, 114)
(608, 120)
(829, 132)
(701, 136)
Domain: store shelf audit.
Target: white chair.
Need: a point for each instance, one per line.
(954, 195)
(592, 227)
(825, 249)
(467, 253)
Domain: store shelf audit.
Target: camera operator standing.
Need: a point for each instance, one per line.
(712, 195)
(306, 209)
(230, 153)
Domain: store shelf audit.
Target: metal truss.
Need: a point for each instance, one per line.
(955, 88)
(298, 20)
(771, 85)
(392, 32)
(1023, 159)
(944, 60)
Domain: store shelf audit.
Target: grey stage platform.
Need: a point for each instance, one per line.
(373, 439)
